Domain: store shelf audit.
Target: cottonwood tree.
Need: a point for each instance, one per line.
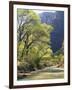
(33, 37)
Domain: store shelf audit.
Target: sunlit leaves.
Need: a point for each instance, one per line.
(33, 42)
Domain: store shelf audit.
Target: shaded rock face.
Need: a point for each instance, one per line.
(57, 20)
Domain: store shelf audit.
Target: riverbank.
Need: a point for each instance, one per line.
(46, 73)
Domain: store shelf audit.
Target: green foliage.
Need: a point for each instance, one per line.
(33, 42)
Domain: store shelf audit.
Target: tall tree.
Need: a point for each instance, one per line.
(33, 37)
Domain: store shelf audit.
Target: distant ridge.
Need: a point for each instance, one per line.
(57, 20)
